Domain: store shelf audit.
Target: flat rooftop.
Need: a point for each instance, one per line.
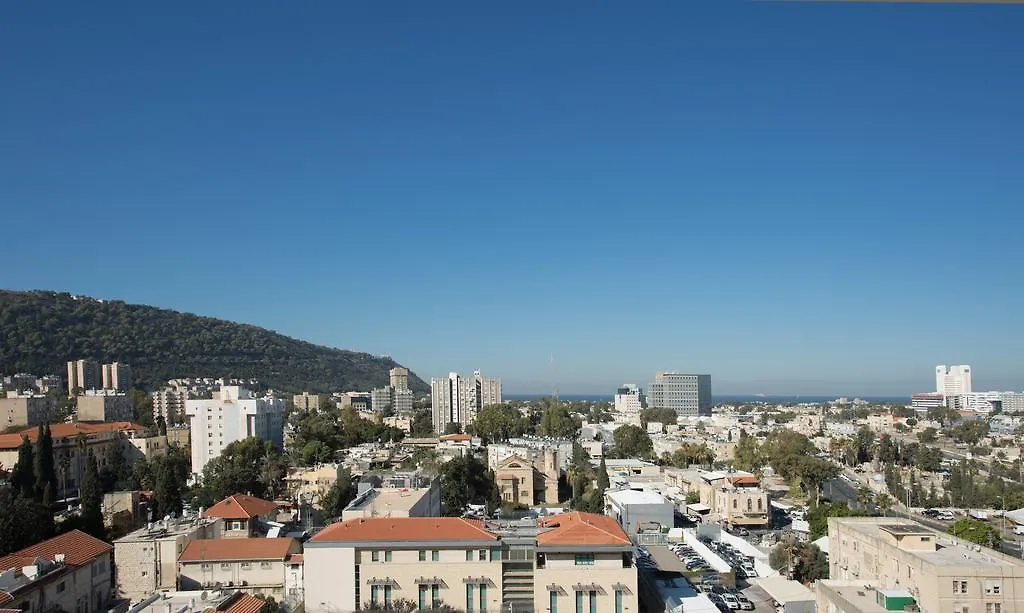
(949, 550)
(160, 529)
(381, 501)
(636, 497)
(182, 602)
(850, 596)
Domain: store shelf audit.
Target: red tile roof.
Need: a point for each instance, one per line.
(78, 548)
(244, 603)
(295, 558)
(744, 480)
(456, 437)
(65, 430)
(5, 598)
(392, 529)
(240, 506)
(582, 529)
(217, 550)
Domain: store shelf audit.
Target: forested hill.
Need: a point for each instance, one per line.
(41, 331)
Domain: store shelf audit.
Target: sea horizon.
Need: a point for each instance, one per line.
(724, 398)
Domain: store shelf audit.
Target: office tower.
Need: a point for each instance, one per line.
(306, 401)
(233, 414)
(381, 399)
(687, 395)
(83, 375)
(400, 378)
(629, 399)
(456, 399)
(952, 381)
(117, 376)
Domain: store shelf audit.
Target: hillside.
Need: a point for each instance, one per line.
(41, 331)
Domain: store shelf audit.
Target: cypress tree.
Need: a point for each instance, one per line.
(45, 469)
(92, 500)
(22, 476)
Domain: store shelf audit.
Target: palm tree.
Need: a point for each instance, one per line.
(65, 466)
(81, 443)
(864, 496)
(884, 503)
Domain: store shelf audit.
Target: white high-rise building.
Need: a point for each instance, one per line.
(233, 414)
(952, 381)
(456, 399)
(629, 399)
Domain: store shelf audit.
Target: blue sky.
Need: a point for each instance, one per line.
(794, 197)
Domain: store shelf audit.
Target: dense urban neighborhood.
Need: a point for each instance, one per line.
(220, 493)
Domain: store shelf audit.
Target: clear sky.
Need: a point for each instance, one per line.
(794, 197)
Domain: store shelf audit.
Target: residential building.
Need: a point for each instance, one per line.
(735, 498)
(833, 596)
(117, 376)
(306, 401)
(927, 401)
(69, 572)
(362, 402)
(169, 403)
(943, 574)
(456, 399)
(242, 516)
(629, 399)
(105, 405)
(49, 383)
(73, 443)
(234, 414)
(990, 402)
(147, 559)
(399, 378)
(21, 382)
(311, 484)
(402, 401)
(573, 559)
(951, 381)
(381, 400)
(528, 479)
(635, 510)
(26, 409)
(255, 566)
(400, 501)
(83, 375)
(687, 395)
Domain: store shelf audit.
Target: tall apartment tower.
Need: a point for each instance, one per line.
(687, 395)
(233, 414)
(629, 399)
(400, 378)
(456, 399)
(83, 375)
(117, 376)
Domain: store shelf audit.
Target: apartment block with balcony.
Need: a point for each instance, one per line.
(257, 566)
(940, 573)
(574, 561)
(69, 572)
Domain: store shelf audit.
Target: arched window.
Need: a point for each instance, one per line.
(750, 505)
(760, 505)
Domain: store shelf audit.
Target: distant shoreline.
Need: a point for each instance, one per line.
(725, 398)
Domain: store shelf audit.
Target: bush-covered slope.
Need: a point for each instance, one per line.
(41, 331)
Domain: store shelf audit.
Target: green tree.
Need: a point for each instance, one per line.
(269, 604)
(22, 476)
(971, 432)
(975, 531)
(499, 422)
(248, 466)
(817, 517)
(747, 453)
(23, 521)
(692, 497)
(340, 494)
(558, 422)
(813, 472)
(466, 480)
(45, 470)
(92, 501)
(632, 442)
(167, 494)
(811, 563)
(602, 476)
(657, 414)
(422, 423)
(453, 428)
(884, 502)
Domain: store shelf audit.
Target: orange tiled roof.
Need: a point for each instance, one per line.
(581, 529)
(295, 558)
(405, 529)
(65, 430)
(217, 550)
(240, 506)
(456, 437)
(744, 480)
(243, 604)
(5, 598)
(78, 548)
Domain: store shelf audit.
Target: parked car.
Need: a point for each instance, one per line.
(748, 570)
(745, 602)
(731, 601)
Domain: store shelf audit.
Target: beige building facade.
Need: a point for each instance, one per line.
(941, 573)
(26, 410)
(147, 559)
(256, 566)
(735, 498)
(71, 572)
(105, 405)
(528, 481)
